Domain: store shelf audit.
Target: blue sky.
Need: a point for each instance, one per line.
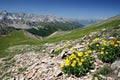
(80, 9)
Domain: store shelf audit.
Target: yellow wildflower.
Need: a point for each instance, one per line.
(116, 45)
(74, 61)
(96, 39)
(118, 42)
(112, 42)
(62, 65)
(102, 52)
(89, 51)
(73, 56)
(80, 54)
(77, 59)
(106, 52)
(86, 55)
(103, 48)
(73, 64)
(97, 45)
(86, 52)
(105, 44)
(67, 59)
(80, 63)
(104, 41)
(67, 62)
(82, 60)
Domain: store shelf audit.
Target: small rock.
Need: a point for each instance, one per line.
(57, 71)
(52, 51)
(62, 54)
(30, 75)
(92, 71)
(111, 37)
(103, 77)
(118, 74)
(96, 78)
(103, 29)
(11, 79)
(109, 78)
(21, 77)
(99, 62)
(52, 55)
(31, 67)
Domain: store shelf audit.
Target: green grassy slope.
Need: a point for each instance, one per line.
(51, 27)
(16, 37)
(57, 34)
(83, 31)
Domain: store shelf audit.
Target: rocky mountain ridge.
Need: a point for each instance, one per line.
(40, 25)
(25, 21)
(32, 17)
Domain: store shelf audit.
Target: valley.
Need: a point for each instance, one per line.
(37, 49)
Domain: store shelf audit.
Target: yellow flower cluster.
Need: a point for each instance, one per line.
(96, 39)
(106, 48)
(104, 42)
(112, 42)
(80, 54)
(76, 59)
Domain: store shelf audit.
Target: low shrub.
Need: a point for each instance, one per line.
(78, 63)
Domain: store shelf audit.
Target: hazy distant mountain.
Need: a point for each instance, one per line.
(114, 20)
(89, 21)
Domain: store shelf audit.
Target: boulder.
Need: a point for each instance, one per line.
(62, 54)
(115, 66)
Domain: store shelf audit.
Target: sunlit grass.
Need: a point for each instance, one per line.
(17, 37)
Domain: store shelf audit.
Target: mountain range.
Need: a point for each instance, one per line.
(89, 21)
(42, 25)
(26, 21)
